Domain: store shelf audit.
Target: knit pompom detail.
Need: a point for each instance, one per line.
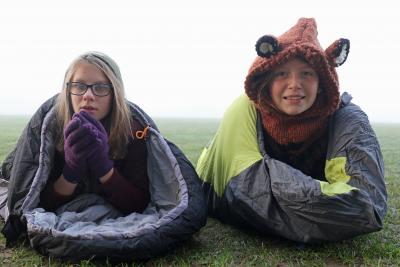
(267, 46)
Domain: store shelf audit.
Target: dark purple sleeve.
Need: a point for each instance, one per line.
(50, 200)
(128, 188)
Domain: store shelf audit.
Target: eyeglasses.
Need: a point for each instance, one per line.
(98, 89)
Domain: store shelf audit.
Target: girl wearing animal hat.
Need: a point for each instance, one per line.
(292, 157)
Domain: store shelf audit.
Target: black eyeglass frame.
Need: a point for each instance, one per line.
(89, 86)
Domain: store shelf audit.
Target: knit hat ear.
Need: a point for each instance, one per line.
(338, 51)
(267, 46)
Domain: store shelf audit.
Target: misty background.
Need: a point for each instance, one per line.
(189, 58)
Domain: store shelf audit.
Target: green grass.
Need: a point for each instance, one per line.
(223, 245)
(10, 130)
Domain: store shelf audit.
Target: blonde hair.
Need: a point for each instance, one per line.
(117, 122)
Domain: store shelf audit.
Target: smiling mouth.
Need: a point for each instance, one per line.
(297, 97)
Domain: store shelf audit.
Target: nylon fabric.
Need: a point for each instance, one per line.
(335, 170)
(336, 188)
(234, 147)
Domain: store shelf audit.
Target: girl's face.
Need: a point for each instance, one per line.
(97, 106)
(294, 87)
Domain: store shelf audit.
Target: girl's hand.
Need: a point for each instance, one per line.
(77, 146)
(99, 162)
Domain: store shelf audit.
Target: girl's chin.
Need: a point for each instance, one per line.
(294, 111)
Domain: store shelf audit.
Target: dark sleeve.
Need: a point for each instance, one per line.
(50, 200)
(128, 188)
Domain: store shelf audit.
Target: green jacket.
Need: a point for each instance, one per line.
(246, 187)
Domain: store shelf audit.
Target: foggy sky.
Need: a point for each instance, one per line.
(189, 58)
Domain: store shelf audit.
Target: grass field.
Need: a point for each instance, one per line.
(222, 245)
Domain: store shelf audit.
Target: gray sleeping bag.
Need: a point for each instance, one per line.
(245, 186)
(88, 226)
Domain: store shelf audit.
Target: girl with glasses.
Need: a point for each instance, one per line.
(91, 175)
(96, 142)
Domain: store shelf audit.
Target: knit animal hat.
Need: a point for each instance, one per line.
(300, 41)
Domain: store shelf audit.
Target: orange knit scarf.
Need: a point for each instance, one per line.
(303, 128)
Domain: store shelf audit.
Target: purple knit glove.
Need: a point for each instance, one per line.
(77, 144)
(99, 162)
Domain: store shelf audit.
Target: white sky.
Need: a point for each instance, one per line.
(190, 58)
